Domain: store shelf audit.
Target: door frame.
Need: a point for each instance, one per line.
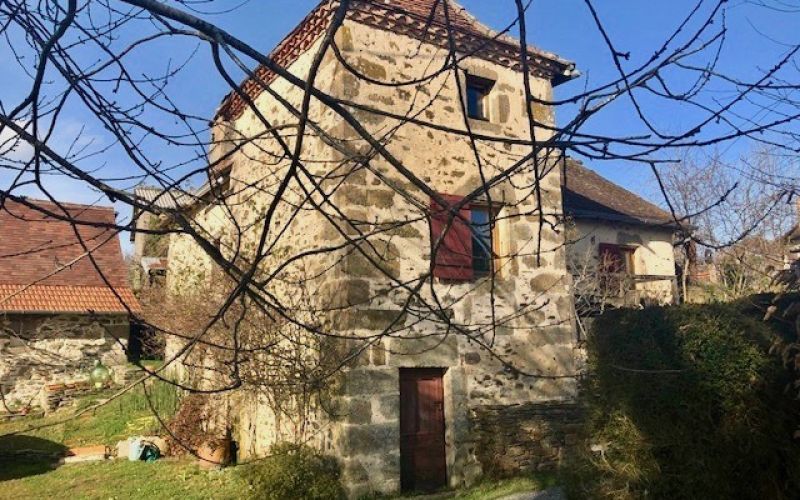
(408, 483)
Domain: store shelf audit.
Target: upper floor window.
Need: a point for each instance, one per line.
(217, 192)
(482, 240)
(463, 246)
(221, 187)
(478, 90)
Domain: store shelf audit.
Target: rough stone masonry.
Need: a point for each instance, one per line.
(37, 350)
(485, 402)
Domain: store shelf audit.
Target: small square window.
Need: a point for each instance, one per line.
(478, 90)
(616, 270)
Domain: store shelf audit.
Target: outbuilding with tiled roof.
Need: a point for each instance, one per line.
(65, 301)
(611, 226)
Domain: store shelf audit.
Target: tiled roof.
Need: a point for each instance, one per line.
(66, 299)
(418, 19)
(161, 198)
(587, 195)
(44, 267)
(411, 18)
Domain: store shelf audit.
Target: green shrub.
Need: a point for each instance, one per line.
(294, 472)
(687, 402)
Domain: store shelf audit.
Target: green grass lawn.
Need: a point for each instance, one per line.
(492, 490)
(129, 415)
(36, 476)
(121, 479)
(167, 479)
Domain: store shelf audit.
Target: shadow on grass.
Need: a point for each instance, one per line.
(23, 456)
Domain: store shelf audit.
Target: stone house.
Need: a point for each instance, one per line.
(420, 407)
(149, 259)
(57, 312)
(618, 240)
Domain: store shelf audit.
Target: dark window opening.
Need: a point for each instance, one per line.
(478, 90)
(482, 241)
(217, 192)
(144, 343)
(221, 188)
(616, 270)
(616, 259)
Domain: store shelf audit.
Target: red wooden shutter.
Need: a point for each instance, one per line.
(612, 259)
(453, 257)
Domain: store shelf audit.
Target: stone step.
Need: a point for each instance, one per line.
(84, 458)
(81, 454)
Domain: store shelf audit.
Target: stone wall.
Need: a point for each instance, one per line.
(532, 307)
(529, 301)
(524, 438)
(59, 395)
(654, 257)
(255, 423)
(36, 350)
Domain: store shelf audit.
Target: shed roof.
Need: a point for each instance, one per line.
(588, 195)
(414, 18)
(161, 198)
(46, 254)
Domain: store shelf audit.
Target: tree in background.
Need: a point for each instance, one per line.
(736, 216)
(99, 58)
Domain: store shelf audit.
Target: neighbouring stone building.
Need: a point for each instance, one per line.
(149, 259)
(507, 407)
(57, 312)
(618, 239)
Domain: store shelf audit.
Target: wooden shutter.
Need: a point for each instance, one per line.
(453, 257)
(616, 259)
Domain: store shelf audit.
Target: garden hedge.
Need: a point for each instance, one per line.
(688, 402)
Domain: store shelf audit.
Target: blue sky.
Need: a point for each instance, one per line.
(561, 26)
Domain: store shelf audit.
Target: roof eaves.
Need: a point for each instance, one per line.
(120, 312)
(314, 25)
(69, 205)
(628, 219)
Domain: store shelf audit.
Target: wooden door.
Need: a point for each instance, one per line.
(422, 448)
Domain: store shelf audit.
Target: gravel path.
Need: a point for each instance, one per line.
(551, 494)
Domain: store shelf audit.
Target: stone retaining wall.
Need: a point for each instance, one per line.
(59, 395)
(37, 350)
(524, 438)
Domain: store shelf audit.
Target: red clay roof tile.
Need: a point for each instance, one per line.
(66, 299)
(589, 195)
(414, 18)
(45, 265)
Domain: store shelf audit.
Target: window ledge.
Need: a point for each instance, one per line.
(476, 279)
(485, 126)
